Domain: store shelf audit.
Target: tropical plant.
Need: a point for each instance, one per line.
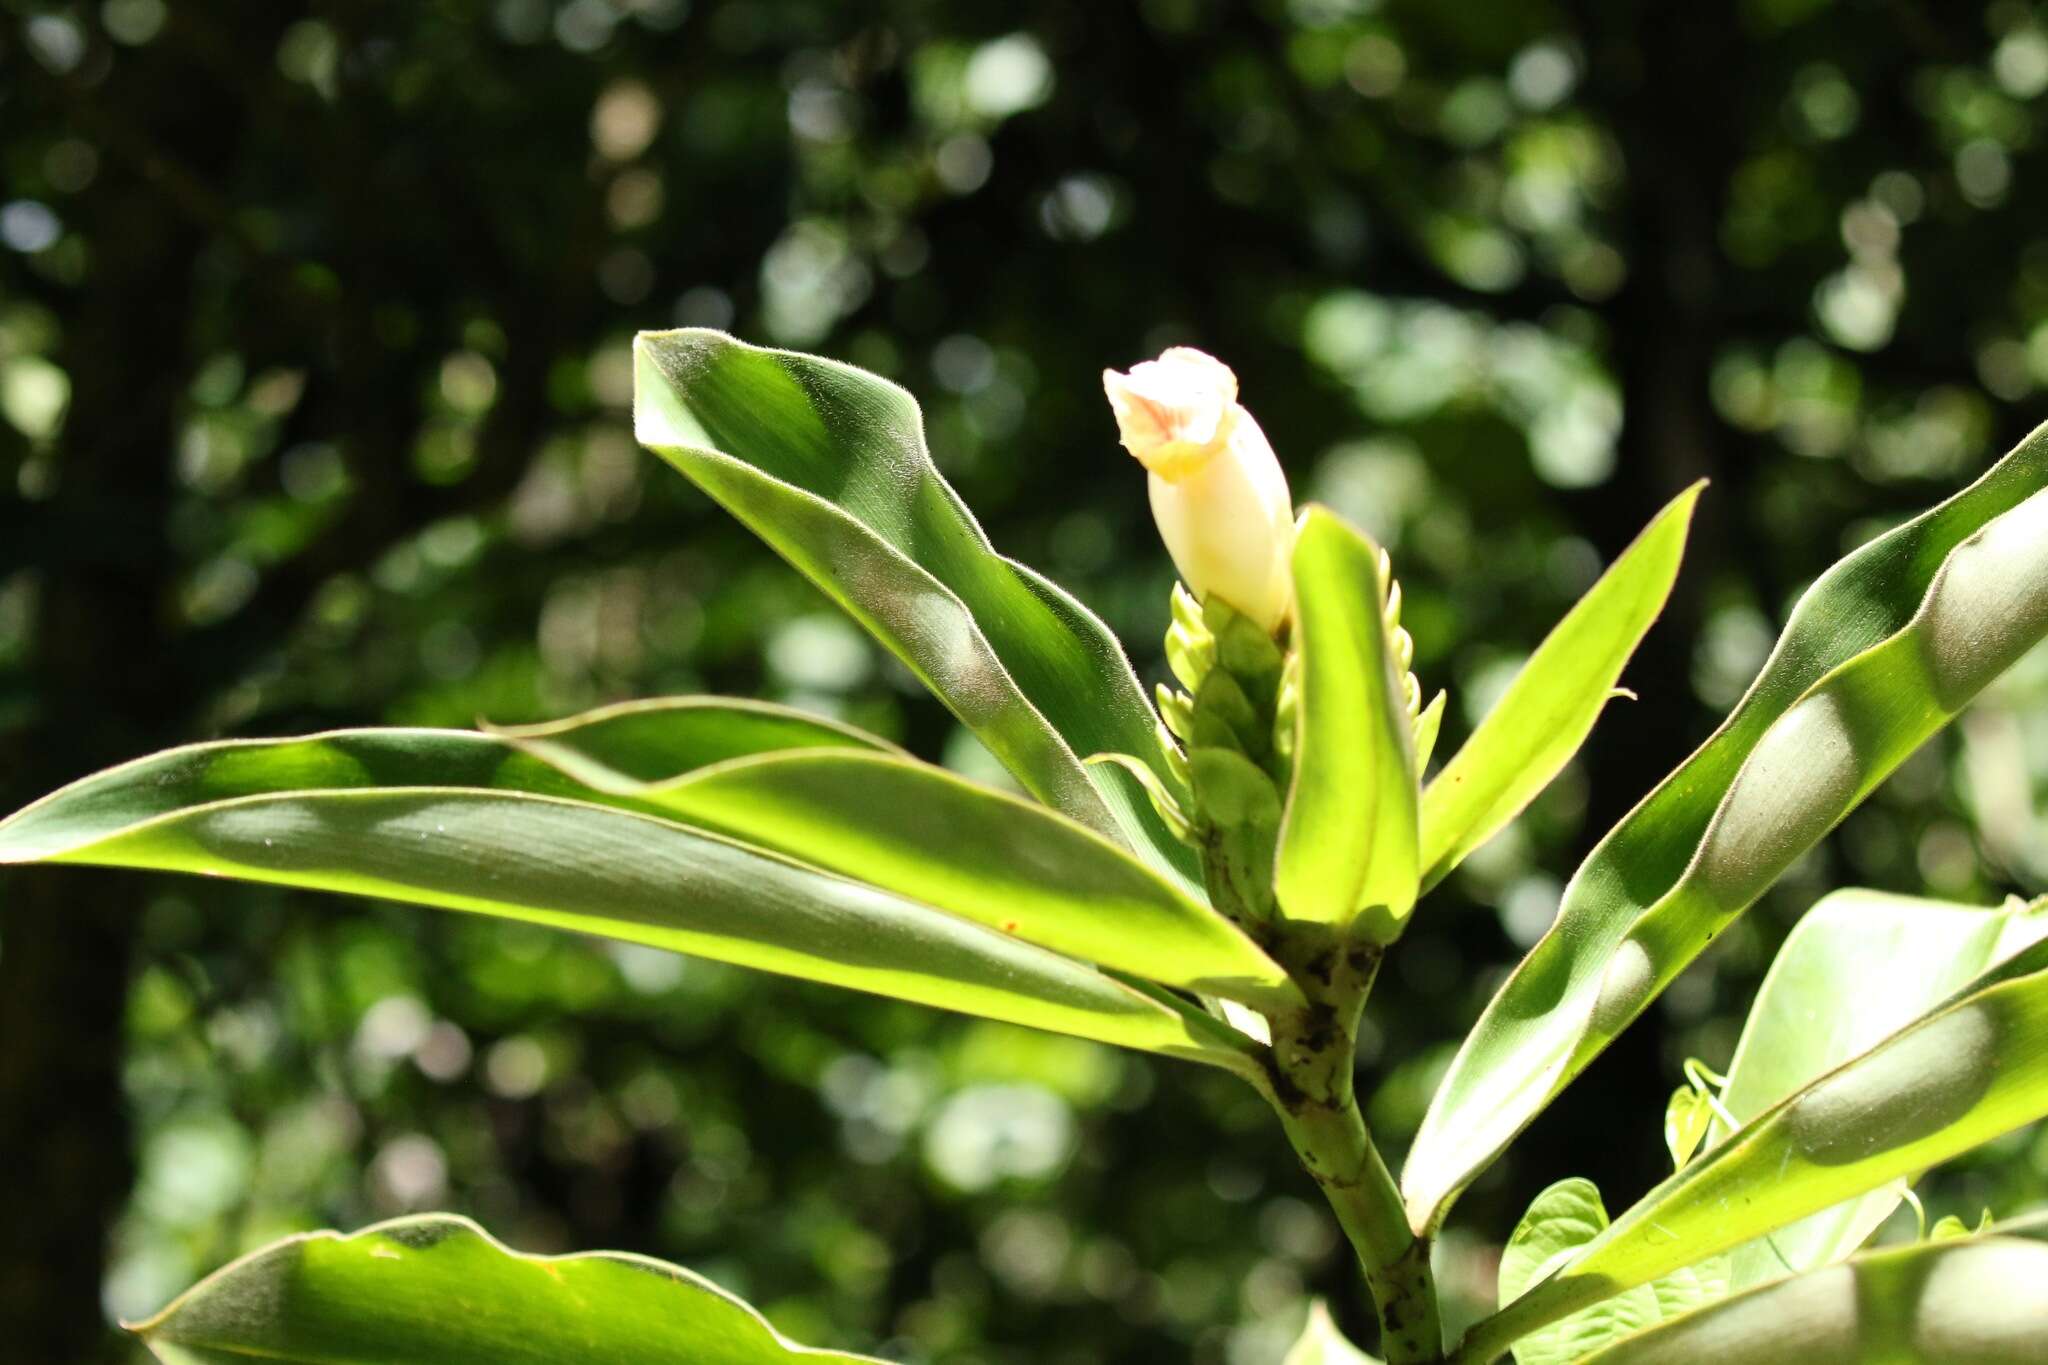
(1214, 875)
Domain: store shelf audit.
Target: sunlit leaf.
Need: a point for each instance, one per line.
(1427, 726)
(469, 822)
(1348, 840)
(1972, 1301)
(652, 741)
(1859, 966)
(1558, 1223)
(934, 837)
(828, 464)
(1879, 653)
(1687, 1117)
(1970, 1070)
(437, 1289)
(1549, 709)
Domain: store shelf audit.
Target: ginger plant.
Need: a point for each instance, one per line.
(1214, 875)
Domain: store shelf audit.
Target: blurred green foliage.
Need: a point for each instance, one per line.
(314, 377)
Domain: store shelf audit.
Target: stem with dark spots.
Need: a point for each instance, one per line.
(1310, 1086)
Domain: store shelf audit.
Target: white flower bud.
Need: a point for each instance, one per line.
(1218, 495)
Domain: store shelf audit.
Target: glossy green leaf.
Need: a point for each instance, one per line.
(908, 827)
(1972, 1069)
(1972, 1301)
(1348, 839)
(468, 822)
(828, 464)
(1858, 967)
(1164, 802)
(1556, 1224)
(1321, 1343)
(619, 746)
(1878, 654)
(1560, 1221)
(615, 748)
(1687, 1117)
(1427, 726)
(931, 836)
(1550, 708)
(438, 1290)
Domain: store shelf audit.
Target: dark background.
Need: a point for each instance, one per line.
(313, 411)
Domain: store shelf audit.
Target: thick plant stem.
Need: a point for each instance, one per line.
(1240, 723)
(1310, 1086)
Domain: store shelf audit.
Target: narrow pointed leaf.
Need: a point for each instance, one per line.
(1164, 802)
(1550, 708)
(436, 1289)
(617, 747)
(1858, 967)
(934, 837)
(1967, 1072)
(467, 822)
(828, 464)
(1879, 653)
(1970, 1301)
(1426, 727)
(1348, 839)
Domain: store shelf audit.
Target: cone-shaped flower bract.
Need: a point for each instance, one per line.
(1218, 495)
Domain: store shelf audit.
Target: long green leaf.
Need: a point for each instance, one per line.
(620, 746)
(437, 1289)
(657, 740)
(931, 836)
(1858, 967)
(467, 822)
(1549, 709)
(1971, 1301)
(1878, 654)
(828, 464)
(1963, 1074)
(1348, 839)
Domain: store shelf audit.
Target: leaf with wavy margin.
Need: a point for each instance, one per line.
(1878, 655)
(469, 822)
(932, 836)
(828, 464)
(436, 1289)
(1969, 1301)
(1963, 1074)
(1857, 967)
